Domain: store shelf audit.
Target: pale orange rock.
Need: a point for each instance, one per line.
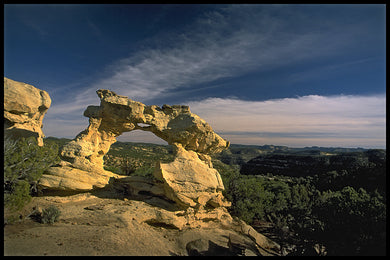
(190, 180)
(24, 109)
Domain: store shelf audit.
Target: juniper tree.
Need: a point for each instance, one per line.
(24, 164)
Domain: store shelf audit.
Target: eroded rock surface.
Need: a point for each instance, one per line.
(189, 181)
(24, 109)
(184, 195)
(101, 223)
(134, 215)
(118, 114)
(64, 177)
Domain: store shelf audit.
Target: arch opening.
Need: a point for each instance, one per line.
(136, 153)
(140, 136)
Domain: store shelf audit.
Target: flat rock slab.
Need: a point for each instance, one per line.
(100, 224)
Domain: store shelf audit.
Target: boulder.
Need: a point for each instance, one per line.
(67, 178)
(190, 181)
(265, 244)
(24, 109)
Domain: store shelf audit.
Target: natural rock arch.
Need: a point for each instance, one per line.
(189, 180)
(118, 114)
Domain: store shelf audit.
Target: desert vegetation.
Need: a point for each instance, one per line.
(303, 214)
(24, 164)
(334, 201)
(337, 206)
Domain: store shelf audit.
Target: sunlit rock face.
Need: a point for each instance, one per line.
(189, 180)
(186, 193)
(117, 114)
(24, 109)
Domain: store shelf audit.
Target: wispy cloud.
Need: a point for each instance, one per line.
(230, 42)
(345, 121)
(330, 121)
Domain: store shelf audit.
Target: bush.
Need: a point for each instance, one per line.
(354, 222)
(50, 215)
(24, 164)
(114, 169)
(144, 171)
(17, 195)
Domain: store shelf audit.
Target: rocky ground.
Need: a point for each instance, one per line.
(180, 211)
(104, 223)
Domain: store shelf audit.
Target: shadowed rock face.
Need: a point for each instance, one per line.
(24, 109)
(190, 180)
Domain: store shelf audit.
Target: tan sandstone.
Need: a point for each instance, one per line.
(189, 181)
(183, 201)
(118, 114)
(103, 223)
(24, 109)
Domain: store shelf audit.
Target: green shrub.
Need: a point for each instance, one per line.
(144, 171)
(50, 215)
(113, 169)
(17, 195)
(24, 164)
(354, 222)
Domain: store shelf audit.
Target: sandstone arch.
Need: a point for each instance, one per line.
(117, 114)
(190, 180)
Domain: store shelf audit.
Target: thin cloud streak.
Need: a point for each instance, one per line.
(225, 43)
(335, 121)
(343, 121)
(232, 42)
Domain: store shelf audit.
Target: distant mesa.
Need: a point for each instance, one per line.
(24, 109)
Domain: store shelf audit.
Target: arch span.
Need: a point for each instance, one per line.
(118, 114)
(189, 180)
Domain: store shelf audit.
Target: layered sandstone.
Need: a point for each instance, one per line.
(104, 223)
(184, 195)
(189, 181)
(118, 114)
(24, 109)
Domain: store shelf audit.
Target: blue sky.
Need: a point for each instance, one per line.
(295, 75)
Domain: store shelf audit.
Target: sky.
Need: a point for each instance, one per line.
(277, 74)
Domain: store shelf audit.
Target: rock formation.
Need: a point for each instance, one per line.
(24, 109)
(117, 114)
(184, 195)
(189, 181)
